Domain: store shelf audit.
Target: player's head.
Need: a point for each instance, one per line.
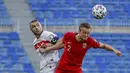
(84, 30)
(36, 27)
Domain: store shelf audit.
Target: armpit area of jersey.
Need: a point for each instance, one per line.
(54, 40)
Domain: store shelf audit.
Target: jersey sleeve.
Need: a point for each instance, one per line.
(94, 43)
(53, 38)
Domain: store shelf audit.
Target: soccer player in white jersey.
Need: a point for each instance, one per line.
(48, 60)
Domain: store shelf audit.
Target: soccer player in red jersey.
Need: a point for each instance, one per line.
(75, 46)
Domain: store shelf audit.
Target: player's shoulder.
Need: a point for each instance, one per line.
(34, 41)
(91, 39)
(47, 32)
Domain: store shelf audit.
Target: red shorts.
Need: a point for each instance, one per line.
(65, 71)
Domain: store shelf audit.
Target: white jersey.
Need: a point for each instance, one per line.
(48, 60)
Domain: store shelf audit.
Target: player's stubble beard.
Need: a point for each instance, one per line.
(79, 38)
(37, 34)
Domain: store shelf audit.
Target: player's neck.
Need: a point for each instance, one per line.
(78, 38)
(38, 35)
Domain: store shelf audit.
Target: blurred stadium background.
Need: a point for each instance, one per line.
(16, 51)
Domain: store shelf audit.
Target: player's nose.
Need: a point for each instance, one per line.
(86, 35)
(37, 28)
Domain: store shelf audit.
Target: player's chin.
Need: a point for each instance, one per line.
(84, 38)
(37, 33)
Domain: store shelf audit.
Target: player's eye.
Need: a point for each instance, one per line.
(33, 26)
(37, 25)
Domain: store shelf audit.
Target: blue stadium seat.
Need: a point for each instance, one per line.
(24, 60)
(35, 7)
(122, 15)
(8, 67)
(18, 67)
(6, 21)
(27, 67)
(11, 51)
(127, 45)
(7, 42)
(125, 37)
(4, 60)
(126, 7)
(96, 36)
(115, 36)
(106, 36)
(2, 7)
(66, 14)
(16, 43)
(3, 36)
(128, 16)
(12, 57)
(13, 36)
(70, 3)
(57, 14)
(3, 14)
(112, 15)
(119, 42)
(20, 51)
(1, 1)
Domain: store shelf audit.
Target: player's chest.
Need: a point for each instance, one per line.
(40, 42)
(76, 47)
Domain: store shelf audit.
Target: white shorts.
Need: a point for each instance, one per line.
(50, 68)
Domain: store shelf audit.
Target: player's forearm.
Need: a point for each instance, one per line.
(57, 46)
(108, 47)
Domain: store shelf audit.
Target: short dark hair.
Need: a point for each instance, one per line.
(33, 21)
(85, 25)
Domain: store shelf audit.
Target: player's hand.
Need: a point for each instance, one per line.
(43, 46)
(117, 52)
(46, 45)
(47, 48)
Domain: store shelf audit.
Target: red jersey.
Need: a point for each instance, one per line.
(74, 51)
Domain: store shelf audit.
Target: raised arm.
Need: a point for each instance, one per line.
(110, 48)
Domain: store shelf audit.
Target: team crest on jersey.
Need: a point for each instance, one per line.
(84, 45)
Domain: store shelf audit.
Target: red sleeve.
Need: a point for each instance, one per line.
(95, 43)
(65, 38)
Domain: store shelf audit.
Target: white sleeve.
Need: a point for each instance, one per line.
(51, 36)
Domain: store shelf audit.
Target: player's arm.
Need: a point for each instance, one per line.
(43, 46)
(55, 39)
(110, 48)
(57, 46)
